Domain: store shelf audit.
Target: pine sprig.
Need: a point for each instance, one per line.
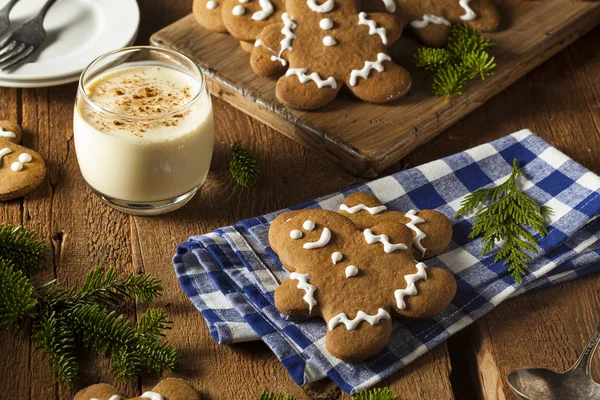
(16, 295)
(464, 58)
(266, 395)
(501, 221)
(244, 165)
(57, 343)
(375, 394)
(21, 246)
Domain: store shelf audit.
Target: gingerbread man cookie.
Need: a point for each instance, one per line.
(327, 44)
(21, 169)
(169, 389)
(208, 14)
(432, 230)
(431, 20)
(354, 278)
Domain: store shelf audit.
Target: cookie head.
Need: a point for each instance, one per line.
(169, 389)
(245, 20)
(208, 14)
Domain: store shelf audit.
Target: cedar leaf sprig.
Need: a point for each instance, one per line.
(244, 165)
(502, 220)
(464, 58)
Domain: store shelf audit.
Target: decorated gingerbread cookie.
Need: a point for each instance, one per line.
(432, 230)
(431, 20)
(353, 278)
(169, 389)
(21, 169)
(208, 14)
(328, 44)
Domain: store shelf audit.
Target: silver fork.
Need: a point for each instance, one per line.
(24, 41)
(4, 20)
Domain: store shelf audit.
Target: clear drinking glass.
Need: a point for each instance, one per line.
(143, 128)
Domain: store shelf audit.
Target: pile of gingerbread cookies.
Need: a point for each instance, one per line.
(357, 267)
(319, 46)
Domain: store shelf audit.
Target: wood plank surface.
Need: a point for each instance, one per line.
(532, 31)
(560, 101)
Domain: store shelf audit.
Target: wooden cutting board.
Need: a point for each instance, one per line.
(366, 138)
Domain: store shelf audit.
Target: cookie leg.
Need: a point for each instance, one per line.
(263, 65)
(433, 35)
(359, 344)
(292, 298)
(432, 294)
(304, 96)
(382, 87)
(487, 19)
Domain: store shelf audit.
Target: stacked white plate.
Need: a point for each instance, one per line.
(77, 31)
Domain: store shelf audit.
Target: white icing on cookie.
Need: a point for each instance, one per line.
(315, 77)
(362, 207)
(308, 225)
(326, 24)
(373, 29)
(369, 65)
(336, 257)
(323, 8)
(16, 166)
(385, 239)
(238, 10)
(8, 134)
(113, 397)
(411, 288)
(25, 158)
(322, 242)
(152, 396)
(427, 19)
(469, 14)
(296, 234)
(288, 36)
(211, 5)
(390, 5)
(351, 324)
(257, 43)
(351, 270)
(419, 234)
(309, 295)
(265, 12)
(4, 152)
(329, 41)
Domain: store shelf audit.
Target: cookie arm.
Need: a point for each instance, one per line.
(433, 293)
(292, 300)
(392, 25)
(271, 37)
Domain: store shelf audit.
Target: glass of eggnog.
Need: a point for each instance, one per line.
(143, 128)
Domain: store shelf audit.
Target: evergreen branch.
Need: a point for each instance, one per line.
(153, 323)
(375, 394)
(502, 220)
(449, 80)
(57, 344)
(266, 395)
(21, 246)
(244, 165)
(16, 295)
(157, 356)
(465, 57)
(431, 58)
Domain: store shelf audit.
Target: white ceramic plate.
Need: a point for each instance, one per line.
(78, 32)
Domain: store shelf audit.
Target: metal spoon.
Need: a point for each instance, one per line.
(573, 384)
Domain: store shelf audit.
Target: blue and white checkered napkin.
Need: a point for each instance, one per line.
(230, 274)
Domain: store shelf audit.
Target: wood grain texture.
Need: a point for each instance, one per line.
(560, 101)
(532, 32)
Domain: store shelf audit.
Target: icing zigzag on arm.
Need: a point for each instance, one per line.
(411, 288)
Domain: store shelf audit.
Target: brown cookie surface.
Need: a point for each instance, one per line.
(432, 230)
(11, 131)
(431, 20)
(21, 170)
(330, 44)
(208, 14)
(353, 278)
(169, 389)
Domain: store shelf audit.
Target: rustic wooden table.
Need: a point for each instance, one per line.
(560, 101)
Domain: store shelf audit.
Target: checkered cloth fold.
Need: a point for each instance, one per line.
(230, 274)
